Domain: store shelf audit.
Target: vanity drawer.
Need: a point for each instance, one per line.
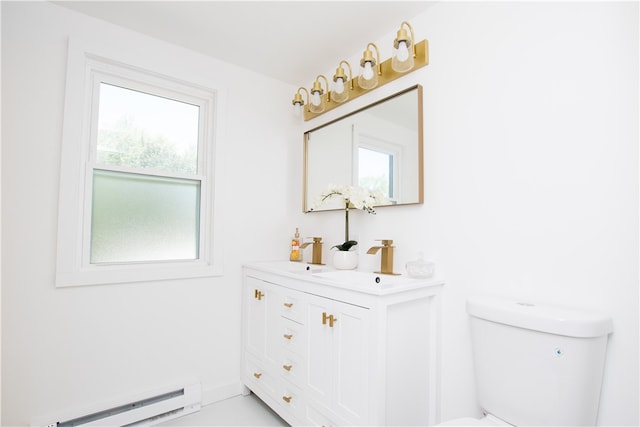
(292, 307)
(292, 400)
(256, 375)
(292, 336)
(292, 368)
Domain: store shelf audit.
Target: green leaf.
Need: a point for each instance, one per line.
(346, 245)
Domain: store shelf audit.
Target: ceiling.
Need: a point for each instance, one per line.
(292, 41)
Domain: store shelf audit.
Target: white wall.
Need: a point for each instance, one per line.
(531, 191)
(531, 174)
(65, 349)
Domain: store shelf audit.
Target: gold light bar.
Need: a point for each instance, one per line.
(387, 74)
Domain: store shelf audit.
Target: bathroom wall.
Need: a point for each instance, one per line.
(531, 174)
(68, 349)
(531, 191)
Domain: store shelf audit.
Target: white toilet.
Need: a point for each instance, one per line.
(536, 364)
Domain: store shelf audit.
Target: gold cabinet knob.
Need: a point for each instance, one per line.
(287, 367)
(257, 294)
(257, 375)
(288, 336)
(288, 304)
(286, 399)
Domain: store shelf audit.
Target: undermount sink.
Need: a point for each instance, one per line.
(362, 278)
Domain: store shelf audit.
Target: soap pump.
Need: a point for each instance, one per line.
(296, 253)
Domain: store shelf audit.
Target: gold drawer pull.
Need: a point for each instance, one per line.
(287, 367)
(257, 375)
(288, 336)
(286, 399)
(288, 304)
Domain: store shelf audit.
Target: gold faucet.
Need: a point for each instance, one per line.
(316, 254)
(386, 261)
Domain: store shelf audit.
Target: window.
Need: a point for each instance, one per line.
(375, 171)
(137, 179)
(376, 163)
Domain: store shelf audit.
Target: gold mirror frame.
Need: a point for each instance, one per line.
(332, 161)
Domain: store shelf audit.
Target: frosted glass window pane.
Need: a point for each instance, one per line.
(139, 130)
(139, 218)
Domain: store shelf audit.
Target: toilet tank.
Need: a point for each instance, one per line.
(538, 364)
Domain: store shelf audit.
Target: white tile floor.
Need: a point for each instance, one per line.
(235, 411)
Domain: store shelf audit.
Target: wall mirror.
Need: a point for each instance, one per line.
(378, 147)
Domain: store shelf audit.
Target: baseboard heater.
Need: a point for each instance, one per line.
(146, 411)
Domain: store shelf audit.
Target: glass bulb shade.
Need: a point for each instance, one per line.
(340, 97)
(319, 108)
(315, 98)
(367, 70)
(402, 60)
(368, 78)
(297, 109)
(339, 92)
(403, 51)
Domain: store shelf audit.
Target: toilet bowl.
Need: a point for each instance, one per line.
(548, 361)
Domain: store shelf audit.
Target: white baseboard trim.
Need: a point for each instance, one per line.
(220, 392)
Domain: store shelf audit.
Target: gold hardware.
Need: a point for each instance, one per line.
(257, 375)
(330, 318)
(383, 70)
(386, 261)
(286, 399)
(257, 294)
(316, 254)
(288, 304)
(287, 367)
(288, 336)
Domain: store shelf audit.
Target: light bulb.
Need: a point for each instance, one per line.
(403, 51)
(315, 98)
(367, 73)
(339, 92)
(297, 108)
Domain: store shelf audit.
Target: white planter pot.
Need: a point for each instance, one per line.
(345, 260)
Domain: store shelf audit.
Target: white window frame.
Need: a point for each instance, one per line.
(85, 71)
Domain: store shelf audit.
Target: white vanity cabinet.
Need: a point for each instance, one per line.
(322, 353)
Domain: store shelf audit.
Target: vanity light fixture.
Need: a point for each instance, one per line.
(403, 49)
(317, 103)
(340, 91)
(298, 101)
(368, 78)
(407, 56)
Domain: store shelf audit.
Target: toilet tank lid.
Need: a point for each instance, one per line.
(541, 317)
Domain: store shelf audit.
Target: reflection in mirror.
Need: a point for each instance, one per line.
(378, 147)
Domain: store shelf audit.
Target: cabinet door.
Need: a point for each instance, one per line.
(262, 320)
(337, 363)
